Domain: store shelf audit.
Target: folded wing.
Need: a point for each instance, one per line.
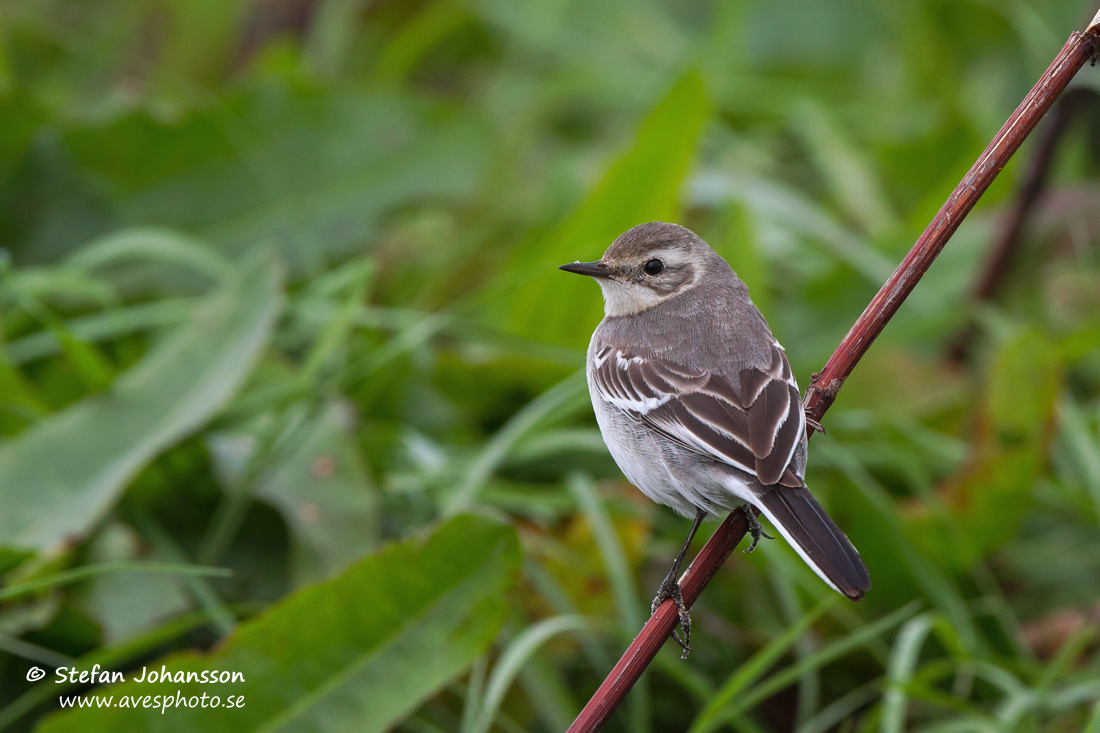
(752, 421)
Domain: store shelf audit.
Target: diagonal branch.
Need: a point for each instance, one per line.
(823, 389)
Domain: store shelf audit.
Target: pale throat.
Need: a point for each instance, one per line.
(628, 299)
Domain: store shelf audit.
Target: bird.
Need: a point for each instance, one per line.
(698, 405)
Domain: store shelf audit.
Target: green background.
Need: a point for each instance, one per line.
(290, 385)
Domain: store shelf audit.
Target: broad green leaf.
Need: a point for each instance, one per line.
(60, 476)
(311, 170)
(124, 604)
(356, 653)
(325, 495)
(643, 185)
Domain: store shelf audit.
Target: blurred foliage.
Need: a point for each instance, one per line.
(278, 296)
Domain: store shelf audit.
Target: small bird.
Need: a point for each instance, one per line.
(697, 402)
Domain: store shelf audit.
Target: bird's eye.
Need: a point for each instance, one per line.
(653, 267)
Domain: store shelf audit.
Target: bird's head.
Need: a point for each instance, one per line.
(647, 265)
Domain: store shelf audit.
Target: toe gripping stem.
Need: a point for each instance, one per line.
(756, 531)
(670, 588)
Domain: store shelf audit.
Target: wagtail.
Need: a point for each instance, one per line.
(697, 402)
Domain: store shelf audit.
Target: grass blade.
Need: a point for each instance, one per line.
(512, 660)
(900, 671)
(564, 395)
(66, 577)
(820, 658)
(756, 666)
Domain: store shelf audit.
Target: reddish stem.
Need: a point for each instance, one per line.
(657, 629)
(824, 387)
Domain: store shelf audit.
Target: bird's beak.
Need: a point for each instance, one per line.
(592, 269)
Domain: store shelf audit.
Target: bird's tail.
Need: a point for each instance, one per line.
(824, 547)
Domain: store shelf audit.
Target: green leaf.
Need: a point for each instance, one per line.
(903, 660)
(91, 366)
(101, 326)
(566, 395)
(161, 246)
(756, 666)
(241, 170)
(125, 604)
(515, 656)
(325, 495)
(727, 707)
(643, 185)
(18, 402)
(89, 571)
(1010, 449)
(59, 477)
(356, 653)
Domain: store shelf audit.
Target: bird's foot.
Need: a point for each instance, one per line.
(670, 588)
(815, 425)
(755, 529)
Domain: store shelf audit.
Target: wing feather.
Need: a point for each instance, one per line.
(753, 422)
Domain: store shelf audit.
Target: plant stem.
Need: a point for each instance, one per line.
(823, 389)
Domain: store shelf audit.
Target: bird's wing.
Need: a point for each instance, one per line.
(751, 420)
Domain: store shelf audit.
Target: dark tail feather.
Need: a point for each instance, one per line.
(802, 521)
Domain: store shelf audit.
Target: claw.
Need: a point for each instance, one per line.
(756, 531)
(670, 588)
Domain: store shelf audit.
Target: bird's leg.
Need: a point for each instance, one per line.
(670, 588)
(755, 529)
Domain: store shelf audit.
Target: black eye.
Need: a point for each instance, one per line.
(653, 267)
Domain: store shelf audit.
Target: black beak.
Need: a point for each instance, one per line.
(592, 269)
